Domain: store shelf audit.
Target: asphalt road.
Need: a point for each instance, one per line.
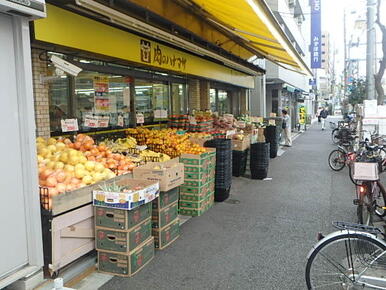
(260, 241)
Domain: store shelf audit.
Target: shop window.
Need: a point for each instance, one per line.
(59, 92)
(102, 95)
(150, 96)
(223, 102)
(179, 99)
(213, 101)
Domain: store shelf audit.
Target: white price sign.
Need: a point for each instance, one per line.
(160, 114)
(143, 147)
(120, 122)
(230, 133)
(103, 122)
(91, 122)
(69, 125)
(140, 118)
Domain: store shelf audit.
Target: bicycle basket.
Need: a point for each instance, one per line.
(366, 171)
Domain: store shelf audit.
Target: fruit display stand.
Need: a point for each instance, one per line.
(197, 193)
(68, 227)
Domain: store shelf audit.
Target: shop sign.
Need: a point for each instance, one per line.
(101, 86)
(316, 34)
(140, 118)
(160, 114)
(69, 125)
(120, 122)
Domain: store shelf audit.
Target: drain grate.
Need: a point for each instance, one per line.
(232, 201)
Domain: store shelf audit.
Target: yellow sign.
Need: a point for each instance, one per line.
(68, 29)
(302, 115)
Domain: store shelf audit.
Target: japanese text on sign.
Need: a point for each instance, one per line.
(69, 125)
(316, 54)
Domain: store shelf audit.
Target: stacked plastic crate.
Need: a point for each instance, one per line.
(197, 193)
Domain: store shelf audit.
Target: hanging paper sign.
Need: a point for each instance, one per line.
(240, 124)
(192, 120)
(272, 122)
(120, 122)
(160, 114)
(91, 122)
(101, 86)
(103, 121)
(69, 125)
(102, 104)
(140, 118)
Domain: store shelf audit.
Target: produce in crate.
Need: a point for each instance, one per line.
(120, 145)
(63, 169)
(117, 162)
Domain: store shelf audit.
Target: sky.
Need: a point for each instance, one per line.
(332, 21)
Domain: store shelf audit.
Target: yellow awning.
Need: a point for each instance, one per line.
(253, 21)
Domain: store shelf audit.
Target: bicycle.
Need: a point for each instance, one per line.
(352, 258)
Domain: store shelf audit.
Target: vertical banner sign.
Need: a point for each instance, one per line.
(316, 35)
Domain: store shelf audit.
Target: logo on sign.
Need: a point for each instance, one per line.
(145, 51)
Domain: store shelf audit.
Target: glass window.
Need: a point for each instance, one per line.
(212, 95)
(59, 95)
(102, 95)
(179, 99)
(223, 102)
(150, 96)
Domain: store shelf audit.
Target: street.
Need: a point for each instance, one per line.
(260, 237)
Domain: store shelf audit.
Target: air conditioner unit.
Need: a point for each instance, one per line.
(32, 9)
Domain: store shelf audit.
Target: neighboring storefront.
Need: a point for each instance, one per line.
(125, 75)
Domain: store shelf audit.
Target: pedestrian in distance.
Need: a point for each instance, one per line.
(318, 114)
(286, 126)
(323, 115)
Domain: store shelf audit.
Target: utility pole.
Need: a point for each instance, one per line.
(370, 50)
(345, 56)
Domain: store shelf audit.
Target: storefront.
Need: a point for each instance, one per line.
(116, 84)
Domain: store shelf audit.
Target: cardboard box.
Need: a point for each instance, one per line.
(166, 198)
(129, 264)
(200, 190)
(163, 217)
(122, 241)
(121, 219)
(167, 235)
(127, 200)
(239, 145)
(198, 159)
(191, 211)
(169, 175)
(198, 183)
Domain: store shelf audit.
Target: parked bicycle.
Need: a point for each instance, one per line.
(352, 258)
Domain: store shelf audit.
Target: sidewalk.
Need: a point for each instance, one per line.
(260, 237)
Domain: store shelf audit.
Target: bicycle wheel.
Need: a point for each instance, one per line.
(365, 210)
(337, 160)
(334, 136)
(336, 262)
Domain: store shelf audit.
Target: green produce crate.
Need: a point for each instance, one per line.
(192, 212)
(166, 236)
(166, 198)
(195, 183)
(204, 189)
(193, 197)
(193, 204)
(163, 217)
(191, 159)
(121, 219)
(122, 241)
(126, 265)
(200, 176)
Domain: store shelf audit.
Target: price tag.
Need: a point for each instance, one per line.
(160, 114)
(103, 122)
(69, 125)
(140, 148)
(272, 122)
(120, 122)
(91, 122)
(140, 118)
(192, 120)
(230, 133)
